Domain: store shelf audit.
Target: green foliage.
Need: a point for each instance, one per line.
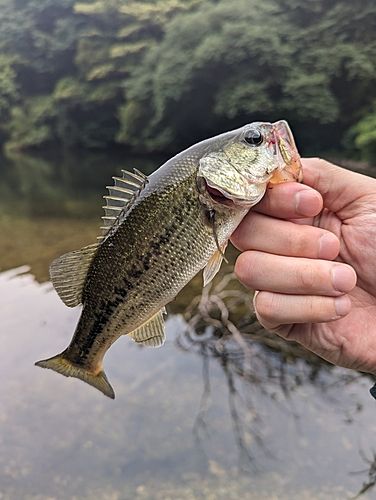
(116, 36)
(30, 124)
(313, 63)
(365, 136)
(8, 85)
(161, 74)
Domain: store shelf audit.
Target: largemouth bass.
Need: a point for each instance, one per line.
(158, 232)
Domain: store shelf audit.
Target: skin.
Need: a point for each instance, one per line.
(310, 251)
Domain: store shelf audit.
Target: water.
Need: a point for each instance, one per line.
(190, 420)
(48, 207)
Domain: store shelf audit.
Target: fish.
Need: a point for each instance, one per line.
(158, 233)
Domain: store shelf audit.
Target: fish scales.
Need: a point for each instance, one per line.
(178, 222)
(163, 242)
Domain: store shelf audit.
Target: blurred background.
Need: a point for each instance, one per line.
(88, 88)
(156, 76)
(224, 410)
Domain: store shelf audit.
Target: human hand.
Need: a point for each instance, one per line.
(310, 252)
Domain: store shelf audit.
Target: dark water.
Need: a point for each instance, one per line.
(204, 417)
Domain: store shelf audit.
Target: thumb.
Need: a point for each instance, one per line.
(337, 185)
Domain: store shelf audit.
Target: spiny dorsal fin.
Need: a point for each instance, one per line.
(214, 264)
(151, 333)
(124, 191)
(68, 274)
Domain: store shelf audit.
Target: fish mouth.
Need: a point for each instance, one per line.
(222, 197)
(282, 144)
(244, 187)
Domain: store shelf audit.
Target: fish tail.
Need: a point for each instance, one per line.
(61, 364)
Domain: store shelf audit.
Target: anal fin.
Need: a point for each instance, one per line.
(151, 333)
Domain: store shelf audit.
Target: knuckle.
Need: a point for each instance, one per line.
(314, 277)
(306, 277)
(291, 244)
(310, 307)
(298, 243)
(318, 309)
(322, 162)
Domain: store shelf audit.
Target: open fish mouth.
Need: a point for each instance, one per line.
(222, 197)
(218, 196)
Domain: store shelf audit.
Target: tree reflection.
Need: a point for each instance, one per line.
(254, 361)
(370, 482)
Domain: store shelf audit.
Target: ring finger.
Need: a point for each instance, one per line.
(294, 275)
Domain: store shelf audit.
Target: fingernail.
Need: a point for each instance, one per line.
(342, 305)
(343, 278)
(303, 203)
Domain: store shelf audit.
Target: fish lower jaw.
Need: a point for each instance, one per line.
(224, 199)
(217, 197)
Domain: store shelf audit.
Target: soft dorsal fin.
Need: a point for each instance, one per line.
(124, 191)
(214, 264)
(151, 333)
(68, 274)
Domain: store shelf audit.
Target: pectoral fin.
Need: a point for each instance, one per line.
(151, 333)
(214, 264)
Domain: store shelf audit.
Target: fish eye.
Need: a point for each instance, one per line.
(253, 137)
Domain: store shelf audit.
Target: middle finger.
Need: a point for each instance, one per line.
(266, 234)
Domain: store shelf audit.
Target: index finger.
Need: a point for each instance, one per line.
(290, 200)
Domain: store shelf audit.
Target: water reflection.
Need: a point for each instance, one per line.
(224, 410)
(191, 420)
(370, 482)
(49, 206)
(255, 362)
(63, 185)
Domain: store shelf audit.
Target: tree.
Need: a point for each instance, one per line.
(37, 38)
(161, 74)
(364, 134)
(225, 64)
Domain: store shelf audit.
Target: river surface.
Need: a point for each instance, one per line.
(208, 416)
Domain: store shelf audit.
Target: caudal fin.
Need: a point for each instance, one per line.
(61, 364)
